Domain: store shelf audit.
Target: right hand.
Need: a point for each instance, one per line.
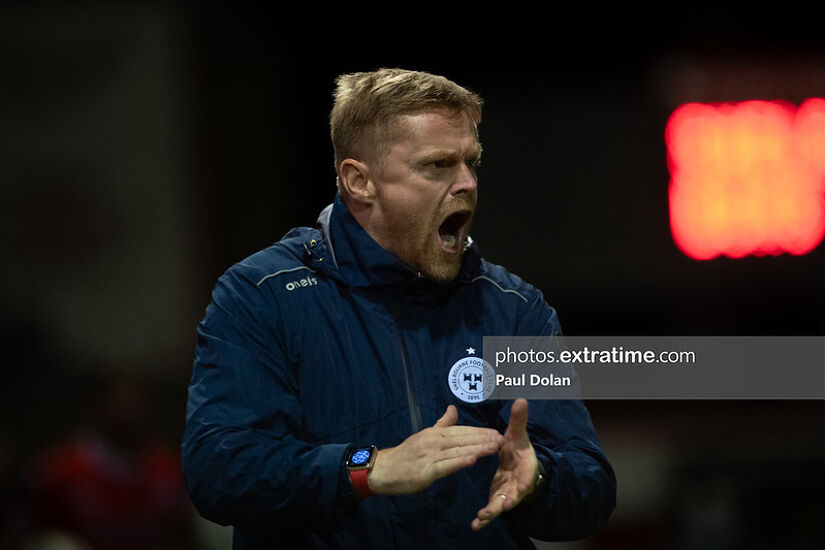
(431, 454)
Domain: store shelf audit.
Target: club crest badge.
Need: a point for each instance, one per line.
(472, 379)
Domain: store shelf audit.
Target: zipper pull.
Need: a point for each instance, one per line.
(310, 250)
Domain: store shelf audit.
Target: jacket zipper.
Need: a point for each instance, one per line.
(422, 520)
(412, 400)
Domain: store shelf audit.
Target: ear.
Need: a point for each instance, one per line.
(355, 181)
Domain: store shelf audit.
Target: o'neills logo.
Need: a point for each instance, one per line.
(472, 379)
(306, 281)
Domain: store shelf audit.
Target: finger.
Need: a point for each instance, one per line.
(465, 436)
(478, 524)
(498, 504)
(518, 417)
(478, 451)
(494, 507)
(449, 418)
(442, 468)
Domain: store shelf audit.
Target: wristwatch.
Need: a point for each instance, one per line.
(538, 484)
(359, 463)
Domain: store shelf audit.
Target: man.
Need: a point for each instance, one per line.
(321, 411)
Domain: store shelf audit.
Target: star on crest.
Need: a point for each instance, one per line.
(471, 351)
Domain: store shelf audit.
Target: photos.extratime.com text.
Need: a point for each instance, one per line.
(657, 367)
(614, 355)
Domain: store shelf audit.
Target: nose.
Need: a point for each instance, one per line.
(466, 181)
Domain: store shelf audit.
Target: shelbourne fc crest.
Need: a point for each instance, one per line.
(472, 379)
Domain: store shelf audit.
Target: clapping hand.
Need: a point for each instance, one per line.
(517, 469)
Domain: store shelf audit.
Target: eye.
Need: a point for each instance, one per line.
(473, 163)
(440, 164)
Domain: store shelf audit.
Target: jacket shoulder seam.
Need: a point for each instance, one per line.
(498, 286)
(289, 270)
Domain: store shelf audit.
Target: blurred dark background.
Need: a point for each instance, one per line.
(145, 147)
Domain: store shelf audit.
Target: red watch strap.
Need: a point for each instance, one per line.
(358, 478)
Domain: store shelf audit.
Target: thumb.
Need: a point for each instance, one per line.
(518, 417)
(450, 417)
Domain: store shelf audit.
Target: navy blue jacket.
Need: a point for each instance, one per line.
(325, 340)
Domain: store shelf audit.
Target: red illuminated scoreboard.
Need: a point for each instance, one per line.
(747, 177)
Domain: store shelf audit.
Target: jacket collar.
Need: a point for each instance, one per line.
(362, 263)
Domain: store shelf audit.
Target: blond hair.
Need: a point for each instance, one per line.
(366, 103)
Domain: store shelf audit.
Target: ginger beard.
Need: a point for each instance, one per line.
(426, 191)
(435, 247)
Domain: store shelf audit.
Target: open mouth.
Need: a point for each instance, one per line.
(452, 230)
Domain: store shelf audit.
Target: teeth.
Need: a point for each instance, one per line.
(448, 240)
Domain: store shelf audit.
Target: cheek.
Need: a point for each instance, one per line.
(424, 219)
(411, 207)
(415, 212)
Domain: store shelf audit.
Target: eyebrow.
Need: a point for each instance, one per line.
(447, 155)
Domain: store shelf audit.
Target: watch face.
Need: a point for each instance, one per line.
(360, 457)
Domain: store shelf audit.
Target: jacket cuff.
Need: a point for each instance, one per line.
(347, 499)
(541, 484)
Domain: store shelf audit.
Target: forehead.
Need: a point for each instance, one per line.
(434, 129)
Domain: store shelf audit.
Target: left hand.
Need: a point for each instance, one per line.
(517, 469)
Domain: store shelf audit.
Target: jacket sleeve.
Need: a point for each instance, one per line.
(580, 493)
(244, 460)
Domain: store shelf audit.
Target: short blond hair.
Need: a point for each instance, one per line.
(366, 103)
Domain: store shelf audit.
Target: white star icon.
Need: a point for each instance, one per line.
(471, 351)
